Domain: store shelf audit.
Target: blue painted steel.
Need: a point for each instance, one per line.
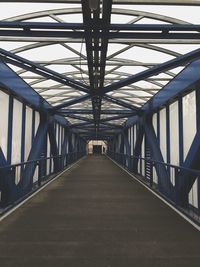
(89, 111)
(138, 144)
(119, 102)
(17, 87)
(184, 180)
(185, 81)
(79, 118)
(70, 102)
(103, 32)
(41, 70)
(158, 127)
(164, 183)
(128, 148)
(180, 120)
(3, 160)
(101, 26)
(54, 145)
(168, 133)
(154, 71)
(26, 182)
(118, 117)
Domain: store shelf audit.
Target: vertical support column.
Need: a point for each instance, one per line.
(158, 128)
(23, 132)
(70, 148)
(180, 120)
(26, 183)
(64, 149)
(122, 160)
(54, 147)
(128, 149)
(168, 134)
(138, 146)
(164, 183)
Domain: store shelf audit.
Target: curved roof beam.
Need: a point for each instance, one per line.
(124, 2)
(79, 11)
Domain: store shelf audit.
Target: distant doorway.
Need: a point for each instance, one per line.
(97, 149)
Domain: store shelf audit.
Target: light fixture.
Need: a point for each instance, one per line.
(93, 4)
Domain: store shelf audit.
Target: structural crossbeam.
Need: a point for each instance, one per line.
(153, 71)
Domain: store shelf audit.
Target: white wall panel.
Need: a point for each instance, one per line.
(154, 120)
(37, 121)
(129, 135)
(135, 134)
(35, 177)
(61, 141)
(193, 195)
(57, 135)
(52, 165)
(155, 176)
(120, 142)
(28, 133)
(67, 148)
(17, 131)
(4, 103)
(73, 140)
(163, 134)
(174, 134)
(48, 155)
(143, 156)
(132, 145)
(189, 121)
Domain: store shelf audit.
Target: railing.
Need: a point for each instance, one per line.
(19, 180)
(151, 172)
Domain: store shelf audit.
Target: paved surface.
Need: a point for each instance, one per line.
(96, 216)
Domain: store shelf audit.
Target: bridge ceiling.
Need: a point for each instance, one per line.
(102, 52)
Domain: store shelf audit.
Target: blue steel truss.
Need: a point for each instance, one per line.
(106, 101)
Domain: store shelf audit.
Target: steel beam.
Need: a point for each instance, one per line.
(3, 160)
(70, 103)
(79, 118)
(153, 71)
(120, 103)
(137, 149)
(186, 80)
(113, 118)
(89, 111)
(26, 183)
(41, 70)
(164, 183)
(185, 180)
(59, 35)
(103, 24)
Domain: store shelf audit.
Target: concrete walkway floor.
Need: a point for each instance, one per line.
(95, 215)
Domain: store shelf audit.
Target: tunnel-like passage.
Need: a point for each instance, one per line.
(118, 79)
(96, 215)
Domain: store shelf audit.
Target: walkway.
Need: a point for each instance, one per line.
(95, 215)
